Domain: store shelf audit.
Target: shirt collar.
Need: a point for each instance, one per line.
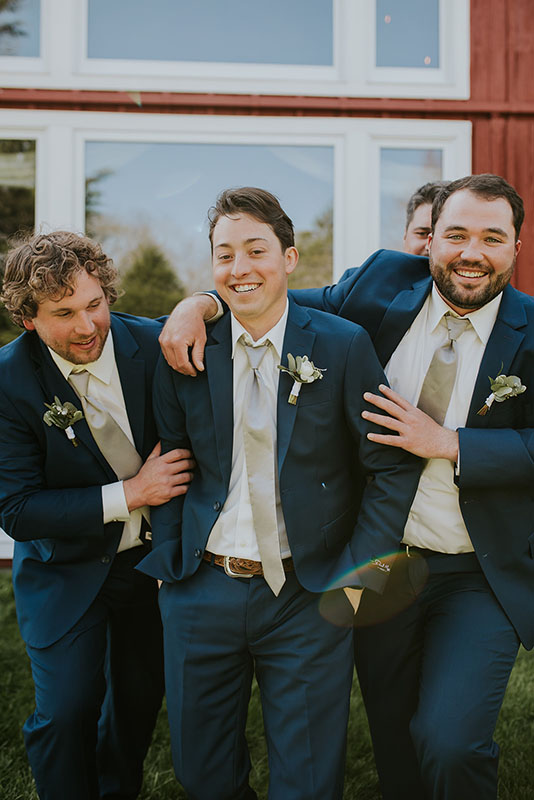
(102, 368)
(275, 335)
(482, 319)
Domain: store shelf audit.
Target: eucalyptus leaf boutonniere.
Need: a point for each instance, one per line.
(503, 387)
(63, 415)
(302, 370)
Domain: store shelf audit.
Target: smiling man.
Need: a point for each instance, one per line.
(419, 218)
(434, 652)
(77, 507)
(288, 501)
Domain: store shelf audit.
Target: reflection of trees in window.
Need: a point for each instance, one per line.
(17, 206)
(150, 285)
(315, 248)
(10, 30)
(93, 196)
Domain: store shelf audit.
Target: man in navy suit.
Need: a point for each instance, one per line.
(435, 651)
(89, 619)
(241, 595)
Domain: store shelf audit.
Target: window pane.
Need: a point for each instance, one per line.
(159, 193)
(17, 205)
(407, 33)
(243, 31)
(20, 28)
(402, 171)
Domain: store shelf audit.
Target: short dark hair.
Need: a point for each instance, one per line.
(423, 196)
(257, 203)
(486, 185)
(46, 266)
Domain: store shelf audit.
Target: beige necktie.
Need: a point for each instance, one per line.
(260, 462)
(439, 380)
(111, 440)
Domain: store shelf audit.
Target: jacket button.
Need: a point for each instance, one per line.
(216, 506)
(198, 553)
(105, 559)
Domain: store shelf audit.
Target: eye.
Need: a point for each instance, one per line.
(493, 240)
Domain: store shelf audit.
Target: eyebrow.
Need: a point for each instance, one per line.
(498, 231)
(68, 308)
(247, 241)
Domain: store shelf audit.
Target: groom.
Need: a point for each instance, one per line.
(288, 501)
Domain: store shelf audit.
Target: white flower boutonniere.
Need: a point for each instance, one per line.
(503, 387)
(63, 415)
(302, 370)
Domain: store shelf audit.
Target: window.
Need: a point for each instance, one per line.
(20, 28)
(313, 47)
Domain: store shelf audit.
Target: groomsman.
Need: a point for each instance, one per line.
(79, 466)
(434, 652)
(290, 498)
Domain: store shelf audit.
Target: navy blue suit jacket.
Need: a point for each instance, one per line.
(50, 491)
(496, 481)
(328, 470)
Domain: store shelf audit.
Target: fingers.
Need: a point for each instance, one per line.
(392, 423)
(156, 450)
(176, 354)
(384, 438)
(197, 353)
(178, 454)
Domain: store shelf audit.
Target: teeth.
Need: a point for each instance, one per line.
(246, 287)
(469, 273)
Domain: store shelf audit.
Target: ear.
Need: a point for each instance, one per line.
(429, 242)
(517, 246)
(291, 256)
(28, 324)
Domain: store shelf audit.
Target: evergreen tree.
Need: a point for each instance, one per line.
(151, 287)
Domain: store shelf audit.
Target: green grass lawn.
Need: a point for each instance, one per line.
(515, 731)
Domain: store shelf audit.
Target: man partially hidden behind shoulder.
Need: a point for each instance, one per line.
(79, 466)
(289, 500)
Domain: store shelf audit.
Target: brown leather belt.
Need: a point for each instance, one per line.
(243, 567)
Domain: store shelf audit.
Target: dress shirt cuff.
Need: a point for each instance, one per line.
(114, 503)
(220, 311)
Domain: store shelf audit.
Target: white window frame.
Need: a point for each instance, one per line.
(64, 63)
(61, 137)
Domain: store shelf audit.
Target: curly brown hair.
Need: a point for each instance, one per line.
(46, 265)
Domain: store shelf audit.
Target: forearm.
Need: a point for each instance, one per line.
(54, 514)
(496, 457)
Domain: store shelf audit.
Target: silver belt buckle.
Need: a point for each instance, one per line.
(232, 574)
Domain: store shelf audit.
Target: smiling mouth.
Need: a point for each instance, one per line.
(470, 273)
(86, 344)
(242, 288)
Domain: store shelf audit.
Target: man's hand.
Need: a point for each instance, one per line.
(186, 329)
(161, 478)
(417, 432)
(354, 596)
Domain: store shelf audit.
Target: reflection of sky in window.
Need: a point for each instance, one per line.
(407, 33)
(20, 28)
(402, 171)
(168, 187)
(243, 31)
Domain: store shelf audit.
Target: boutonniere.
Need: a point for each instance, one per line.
(502, 388)
(63, 415)
(302, 370)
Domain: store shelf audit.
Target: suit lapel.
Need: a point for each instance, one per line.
(54, 384)
(132, 377)
(299, 342)
(219, 372)
(503, 344)
(399, 315)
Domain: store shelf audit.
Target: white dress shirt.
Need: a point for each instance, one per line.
(435, 521)
(105, 387)
(233, 533)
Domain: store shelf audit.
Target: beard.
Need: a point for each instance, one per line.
(466, 297)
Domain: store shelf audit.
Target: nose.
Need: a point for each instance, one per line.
(472, 251)
(240, 266)
(84, 324)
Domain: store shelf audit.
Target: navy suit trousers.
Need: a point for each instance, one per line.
(434, 654)
(98, 691)
(218, 632)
